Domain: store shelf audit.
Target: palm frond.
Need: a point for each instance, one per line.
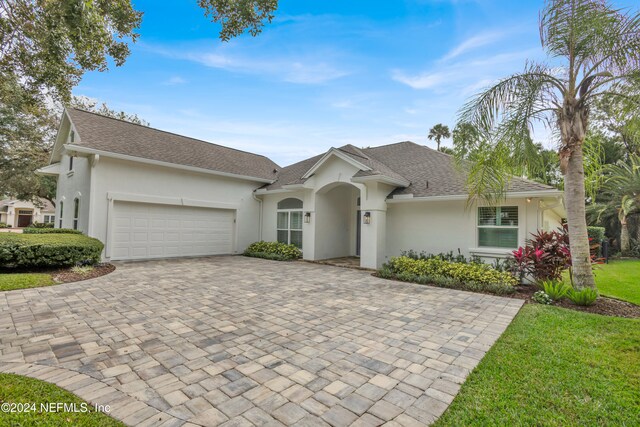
(597, 36)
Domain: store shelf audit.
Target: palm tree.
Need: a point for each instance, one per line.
(599, 48)
(438, 132)
(622, 190)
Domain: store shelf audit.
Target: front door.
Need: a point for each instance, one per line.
(358, 231)
(24, 218)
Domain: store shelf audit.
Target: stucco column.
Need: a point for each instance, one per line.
(373, 244)
(309, 229)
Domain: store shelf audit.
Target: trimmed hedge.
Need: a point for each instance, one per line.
(48, 250)
(596, 233)
(273, 250)
(472, 276)
(42, 225)
(3, 225)
(34, 230)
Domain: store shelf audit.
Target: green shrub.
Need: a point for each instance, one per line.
(35, 230)
(480, 273)
(42, 225)
(586, 296)
(273, 250)
(48, 250)
(596, 233)
(555, 289)
(542, 298)
(434, 271)
(3, 225)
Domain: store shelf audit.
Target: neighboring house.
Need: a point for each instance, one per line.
(20, 213)
(147, 193)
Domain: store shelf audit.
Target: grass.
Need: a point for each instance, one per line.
(620, 279)
(555, 367)
(9, 282)
(19, 389)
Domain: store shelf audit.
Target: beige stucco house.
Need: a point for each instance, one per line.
(147, 193)
(22, 213)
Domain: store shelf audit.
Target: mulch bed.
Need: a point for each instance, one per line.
(603, 305)
(65, 275)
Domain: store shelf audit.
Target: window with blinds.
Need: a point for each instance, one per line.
(289, 222)
(498, 227)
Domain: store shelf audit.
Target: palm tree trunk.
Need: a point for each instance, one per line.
(574, 195)
(625, 243)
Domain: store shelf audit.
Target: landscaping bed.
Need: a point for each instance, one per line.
(68, 275)
(603, 305)
(275, 251)
(46, 256)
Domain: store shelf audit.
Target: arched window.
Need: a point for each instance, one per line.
(76, 212)
(61, 212)
(289, 227)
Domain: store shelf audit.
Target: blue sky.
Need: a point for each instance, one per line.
(324, 73)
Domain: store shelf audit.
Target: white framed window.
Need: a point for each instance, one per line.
(76, 212)
(289, 222)
(49, 219)
(498, 227)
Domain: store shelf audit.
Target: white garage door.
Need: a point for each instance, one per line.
(144, 231)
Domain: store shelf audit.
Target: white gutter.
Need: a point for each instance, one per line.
(402, 198)
(87, 150)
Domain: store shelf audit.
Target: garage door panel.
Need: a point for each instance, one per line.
(144, 231)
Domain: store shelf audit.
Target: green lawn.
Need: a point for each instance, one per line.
(620, 279)
(555, 367)
(9, 282)
(19, 389)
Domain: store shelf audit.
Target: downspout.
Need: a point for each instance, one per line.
(260, 214)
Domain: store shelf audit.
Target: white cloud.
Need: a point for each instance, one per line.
(464, 76)
(302, 70)
(473, 43)
(427, 80)
(175, 80)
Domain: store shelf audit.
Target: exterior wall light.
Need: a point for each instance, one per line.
(307, 217)
(366, 218)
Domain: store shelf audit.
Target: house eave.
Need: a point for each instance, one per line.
(406, 198)
(381, 178)
(87, 150)
(50, 170)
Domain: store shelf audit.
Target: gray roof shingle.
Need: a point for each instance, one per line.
(121, 137)
(430, 172)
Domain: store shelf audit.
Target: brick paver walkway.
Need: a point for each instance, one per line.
(240, 341)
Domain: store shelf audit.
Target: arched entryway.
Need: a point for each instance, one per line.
(337, 222)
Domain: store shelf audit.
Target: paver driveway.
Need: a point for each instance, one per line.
(245, 341)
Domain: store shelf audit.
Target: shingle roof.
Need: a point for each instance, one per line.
(121, 137)
(46, 205)
(430, 172)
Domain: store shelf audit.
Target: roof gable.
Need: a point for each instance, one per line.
(334, 152)
(416, 170)
(106, 134)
